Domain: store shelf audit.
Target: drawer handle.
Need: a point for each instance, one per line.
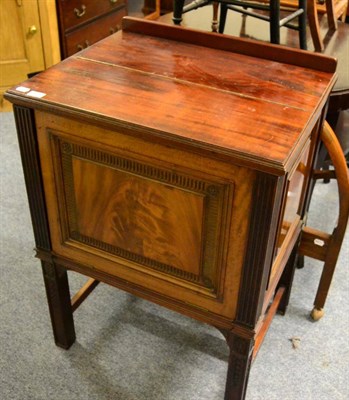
(81, 47)
(32, 30)
(79, 13)
(114, 1)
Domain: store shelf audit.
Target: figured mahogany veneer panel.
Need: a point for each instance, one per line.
(139, 217)
(148, 215)
(171, 222)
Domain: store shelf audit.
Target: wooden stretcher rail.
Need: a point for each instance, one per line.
(314, 243)
(268, 319)
(83, 293)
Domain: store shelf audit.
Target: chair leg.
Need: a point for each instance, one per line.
(336, 154)
(302, 25)
(274, 25)
(314, 25)
(331, 17)
(177, 11)
(215, 17)
(324, 285)
(222, 17)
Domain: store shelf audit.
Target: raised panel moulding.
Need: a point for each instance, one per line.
(131, 209)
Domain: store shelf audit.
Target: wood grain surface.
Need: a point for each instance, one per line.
(141, 216)
(246, 107)
(146, 217)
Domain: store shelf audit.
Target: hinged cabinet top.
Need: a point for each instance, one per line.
(233, 97)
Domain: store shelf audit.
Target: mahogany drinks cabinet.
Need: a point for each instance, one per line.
(174, 164)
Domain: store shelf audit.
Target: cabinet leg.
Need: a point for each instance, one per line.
(287, 280)
(240, 358)
(58, 298)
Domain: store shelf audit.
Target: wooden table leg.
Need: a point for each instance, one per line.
(240, 359)
(55, 277)
(58, 298)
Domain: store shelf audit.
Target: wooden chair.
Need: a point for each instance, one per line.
(331, 152)
(313, 20)
(156, 13)
(334, 9)
(276, 22)
(321, 245)
(244, 7)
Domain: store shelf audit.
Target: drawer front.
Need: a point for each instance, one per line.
(84, 37)
(76, 12)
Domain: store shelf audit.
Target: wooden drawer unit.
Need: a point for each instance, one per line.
(176, 169)
(96, 30)
(82, 23)
(77, 12)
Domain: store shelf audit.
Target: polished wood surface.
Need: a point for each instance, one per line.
(140, 217)
(147, 169)
(335, 42)
(286, 95)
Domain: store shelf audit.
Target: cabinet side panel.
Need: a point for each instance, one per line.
(263, 225)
